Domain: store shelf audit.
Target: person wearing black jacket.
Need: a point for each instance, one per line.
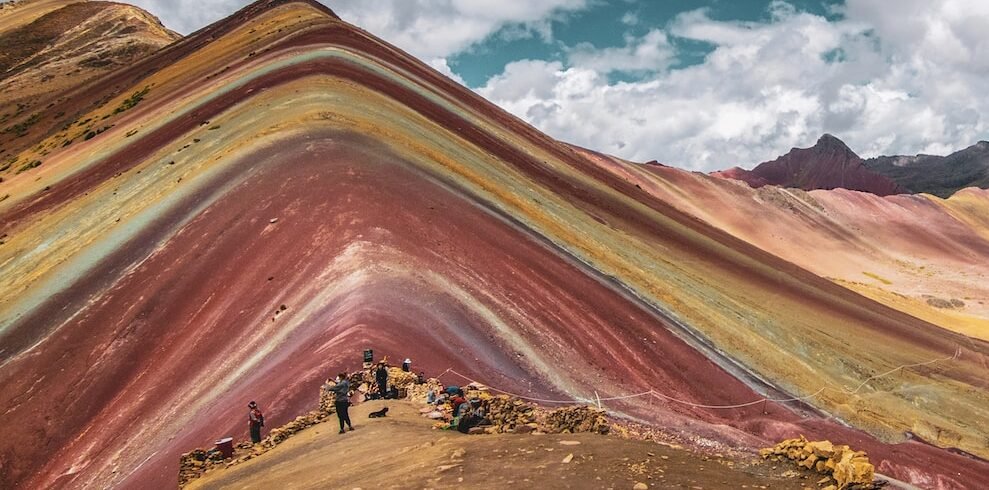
(381, 377)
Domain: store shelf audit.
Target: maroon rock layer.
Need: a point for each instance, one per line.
(829, 164)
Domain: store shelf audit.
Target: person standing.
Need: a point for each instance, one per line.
(341, 400)
(255, 419)
(381, 377)
(407, 365)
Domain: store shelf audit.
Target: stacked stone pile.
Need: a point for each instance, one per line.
(196, 462)
(846, 467)
(401, 379)
(569, 420)
(509, 414)
(326, 399)
(418, 392)
(277, 436)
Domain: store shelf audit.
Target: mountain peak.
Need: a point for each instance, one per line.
(829, 164)
(831, 144)
(828, 138)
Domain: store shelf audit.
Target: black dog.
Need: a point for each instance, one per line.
(379, 414)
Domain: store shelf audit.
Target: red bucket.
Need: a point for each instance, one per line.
(226, 447)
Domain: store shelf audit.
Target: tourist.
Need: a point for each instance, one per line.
(341, 400)
(472, 415)
(381, 377)
(456, 402)
(255, 419)
(407, 365)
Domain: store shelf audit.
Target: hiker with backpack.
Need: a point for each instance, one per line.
(341, 400)
(255, 419)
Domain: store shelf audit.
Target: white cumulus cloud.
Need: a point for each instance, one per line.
(432, 30)
(903, 77)
(887, 80)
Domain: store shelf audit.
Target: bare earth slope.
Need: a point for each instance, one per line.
(283, 157)
(916, 253)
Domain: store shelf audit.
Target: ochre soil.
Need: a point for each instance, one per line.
(403, 451)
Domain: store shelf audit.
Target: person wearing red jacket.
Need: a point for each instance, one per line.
(256, 421)
(456, 402)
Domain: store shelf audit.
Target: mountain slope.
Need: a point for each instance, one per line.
(45, 61)
(283, 157)
(913, 253)
(829, 164)
(941, 176)
(17, 13)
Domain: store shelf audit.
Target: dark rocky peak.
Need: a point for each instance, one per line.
(829, 164)
(830, 144)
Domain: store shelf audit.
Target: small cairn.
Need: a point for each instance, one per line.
(844, 466)
(569, 420)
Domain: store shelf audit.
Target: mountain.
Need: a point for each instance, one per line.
(938, 175)
(52, 49)
(238, 215)
(829, 164)
(914, 253)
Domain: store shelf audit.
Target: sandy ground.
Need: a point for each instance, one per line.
(403, 451)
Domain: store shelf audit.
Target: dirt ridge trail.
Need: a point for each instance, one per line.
(403, 451)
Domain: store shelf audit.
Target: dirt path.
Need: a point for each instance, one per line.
(403, 451)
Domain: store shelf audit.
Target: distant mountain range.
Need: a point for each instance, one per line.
(831, 164)
(937, 175)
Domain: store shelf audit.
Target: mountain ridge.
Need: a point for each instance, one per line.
(941, 176)
(831, 164)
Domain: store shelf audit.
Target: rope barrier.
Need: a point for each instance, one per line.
(663, 396)
(541, 400)
(957, 353)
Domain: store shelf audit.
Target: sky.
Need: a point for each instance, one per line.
(702, 85)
